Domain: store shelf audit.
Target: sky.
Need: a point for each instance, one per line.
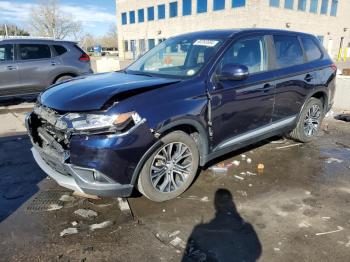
(96, 16)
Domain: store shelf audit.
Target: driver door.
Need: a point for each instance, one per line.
(242, 109)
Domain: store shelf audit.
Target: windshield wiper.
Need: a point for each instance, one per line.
(138, 73)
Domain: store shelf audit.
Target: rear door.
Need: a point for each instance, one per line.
(242, 109)
(293, 78)
(35, 66)
(9, 77)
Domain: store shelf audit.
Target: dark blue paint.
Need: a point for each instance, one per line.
(236, 106)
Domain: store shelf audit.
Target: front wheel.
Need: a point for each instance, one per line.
(309, 122)
(170, 170)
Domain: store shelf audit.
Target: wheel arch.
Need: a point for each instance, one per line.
(188, 126)
(63, 74)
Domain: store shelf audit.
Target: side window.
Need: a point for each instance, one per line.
(6, 53)
(34, 51)
(60, 50)
(312, 51)
(249, 52)
(288, 51)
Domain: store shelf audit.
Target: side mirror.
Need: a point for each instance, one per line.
(233, 72)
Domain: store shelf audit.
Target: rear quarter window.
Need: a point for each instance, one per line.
(34, 51)
(312, 50)
(60, 50)
(288, 51)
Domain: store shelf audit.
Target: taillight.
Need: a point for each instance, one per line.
(84, 57)
(334, 67)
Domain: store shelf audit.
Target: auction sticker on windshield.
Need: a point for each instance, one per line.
(206, 42)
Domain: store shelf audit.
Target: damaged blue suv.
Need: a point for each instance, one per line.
(187, 101)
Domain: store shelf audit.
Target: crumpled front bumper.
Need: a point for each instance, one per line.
(80, 179)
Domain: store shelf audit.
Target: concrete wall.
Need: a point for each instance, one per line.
(256, 13)
(342, 94)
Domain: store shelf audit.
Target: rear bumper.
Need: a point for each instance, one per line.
(81, 179)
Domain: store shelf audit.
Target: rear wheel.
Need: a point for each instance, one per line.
(309, 122)
(170, 170)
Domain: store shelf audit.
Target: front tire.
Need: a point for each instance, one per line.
(170, 170)
(309, 122)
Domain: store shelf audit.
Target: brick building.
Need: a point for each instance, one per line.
(142, 24)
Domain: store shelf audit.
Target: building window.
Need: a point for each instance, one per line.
(334, 7)
(161, 12)
(173, 9)
(324, 7)
(186, 7)
(313, 6)
(141, 15)
(219, 5)
(150, 13)
(302, 5)
(151, 43)
(288, 4)
(126, 45)
(202, 6)
(124, 19)
(238, 3)
(275, 3)
(132, 17)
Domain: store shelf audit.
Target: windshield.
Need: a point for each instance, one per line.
(179, 56)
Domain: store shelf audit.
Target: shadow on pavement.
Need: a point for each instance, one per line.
(11, 101)
(19, 175)
(227, 237)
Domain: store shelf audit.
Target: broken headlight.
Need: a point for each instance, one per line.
(97, 122)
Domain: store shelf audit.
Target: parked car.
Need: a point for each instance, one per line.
(28, 66)
(189, 100)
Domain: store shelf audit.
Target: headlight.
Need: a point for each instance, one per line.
(92, 122)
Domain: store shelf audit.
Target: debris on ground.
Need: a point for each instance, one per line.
(243, 157)
(261, 167)
(239, 177)
(53, 207)
(288, 146)
(69, 231)
(81, 194)
(219, 170)
(330, 232)
(343, 117)
(86, 213)
(236, 162)
(175, 233)
(205, 199)
(66, 198)
(178, 242)
(243, 193)
(100, 225)
(74, 223)
(333, 160)
(249, 160)
(123, 204)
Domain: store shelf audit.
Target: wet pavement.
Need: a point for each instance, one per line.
(294, 209)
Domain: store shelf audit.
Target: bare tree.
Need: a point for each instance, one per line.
(12, 30)
(47, 19)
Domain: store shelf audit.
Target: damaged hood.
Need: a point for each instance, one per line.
(94, 91)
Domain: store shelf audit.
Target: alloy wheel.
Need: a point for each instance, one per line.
(171, 167)
(312, 121)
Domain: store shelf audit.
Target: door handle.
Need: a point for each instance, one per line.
(12, 67)
(308, 78)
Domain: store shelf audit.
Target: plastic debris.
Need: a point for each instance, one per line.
(243, 193)
(261, 167)
(74, 223)
(123, 204)
(54, 207)
(178, 242)
(175, 233)
(249, 160)
(243, 157)
(333, 160)
(250, 185)
(276, 249)
(100, 225)
(219, 170)
(66, 198)
(205, 199)
(239, 177)
(288, 146)
(86, 213)
(330, 232)
(69, 231)
(236, 162)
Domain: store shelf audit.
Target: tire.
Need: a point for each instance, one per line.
(303, 131)
(162, 169)
(63, 78)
